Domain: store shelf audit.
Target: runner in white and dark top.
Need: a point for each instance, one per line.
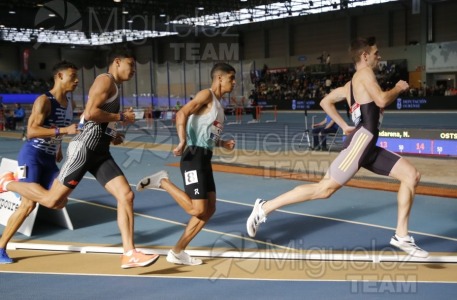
(203, 132)
(97, 136)
(199, 124)
(89, 150)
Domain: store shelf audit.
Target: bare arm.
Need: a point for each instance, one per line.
(328, 104)
(380, 97)
(330, 124)
(101, 90)
(321, 123)
(198, 104)
(40, 111)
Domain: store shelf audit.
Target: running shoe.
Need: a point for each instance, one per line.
(137, 259)
(4, 258)
(257, 216)
(152, 181)
(182, 258)
(5, 178)
(407, 244)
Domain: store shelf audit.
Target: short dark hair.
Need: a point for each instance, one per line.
(63, 65)
(222, 67)
(119, 52)
(360, 45)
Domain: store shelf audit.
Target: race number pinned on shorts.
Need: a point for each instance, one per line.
(21, 172)
(191, 177)
(111, 129)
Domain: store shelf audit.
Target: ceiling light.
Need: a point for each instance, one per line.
(52, 15)
(12, 12)
(117, 1)
(200, 8)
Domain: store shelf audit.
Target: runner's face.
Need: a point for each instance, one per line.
(373, 57)
(126, 68)
(228, 82)
(69, 79)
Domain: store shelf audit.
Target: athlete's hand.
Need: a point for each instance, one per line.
(119, 139)
(60, 204)
(72, 129)
(402, 85)
(179, 149)
(59, 156)
(229, 144)
(348, 129)
(129, 116)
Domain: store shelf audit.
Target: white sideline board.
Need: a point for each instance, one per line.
(9, 203)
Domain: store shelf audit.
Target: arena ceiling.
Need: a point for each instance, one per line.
(111, 13)
(96, 22)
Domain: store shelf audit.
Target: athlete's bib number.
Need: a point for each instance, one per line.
(356, 114)
(216, 131)
(111, 129)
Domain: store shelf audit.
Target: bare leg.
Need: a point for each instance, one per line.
(15, 221)
(409, 177)
(55, 197)
(196, 223)
(305, 192)
(200, 210)
(191, 207)
(120, 189)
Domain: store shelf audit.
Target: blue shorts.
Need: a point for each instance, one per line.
(40, 167)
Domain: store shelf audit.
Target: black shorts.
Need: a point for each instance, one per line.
(197, 172)
(81, 160)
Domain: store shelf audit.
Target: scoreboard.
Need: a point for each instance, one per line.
(421, 142)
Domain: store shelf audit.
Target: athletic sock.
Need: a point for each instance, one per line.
(5, 185)
(129, 253)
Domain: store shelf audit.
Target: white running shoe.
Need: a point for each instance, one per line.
(257, 216)
(407, 244)
(152, 181)
(183, 259)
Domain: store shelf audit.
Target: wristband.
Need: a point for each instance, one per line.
(57, 131)
(122, 117)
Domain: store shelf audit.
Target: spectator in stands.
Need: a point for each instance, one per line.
(327, 62)
(9, 117)
(320, 131)
(253, 103)
(12, 118)
(19, 115)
